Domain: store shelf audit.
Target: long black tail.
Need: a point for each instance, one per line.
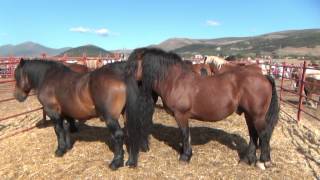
(274, 108)
(146, 103)
(133, 124)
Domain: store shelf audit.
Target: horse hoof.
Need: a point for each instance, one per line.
(249, 159)
(261, 165)
(69, 147)
(115, 164)
(144, 148)
(131, 164)
(59, 153)
(268, 164)
(184, 158)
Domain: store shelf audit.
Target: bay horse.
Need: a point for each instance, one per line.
(311, 85)
(186, 95)
(202, 69)
(101, 93)
(79, 68)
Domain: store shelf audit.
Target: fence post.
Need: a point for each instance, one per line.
(282, 78)
(301, 88)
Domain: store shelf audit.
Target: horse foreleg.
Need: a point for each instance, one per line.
(183, 123)
(117, 137)
(59, 130)
(67, 130)
(53, 112)
(72, 125)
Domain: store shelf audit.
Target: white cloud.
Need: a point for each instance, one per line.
(212, 23)
(80, 29)
(102, 32)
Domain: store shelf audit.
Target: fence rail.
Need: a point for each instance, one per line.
(8, 64)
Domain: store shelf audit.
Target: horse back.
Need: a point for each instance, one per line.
(108, 91)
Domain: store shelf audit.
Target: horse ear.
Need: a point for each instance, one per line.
(22, 61)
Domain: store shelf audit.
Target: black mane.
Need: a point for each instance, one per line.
(36, 69)
(118, 67)
(155, 64)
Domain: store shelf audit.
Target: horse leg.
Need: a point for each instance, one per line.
(58, 128)
(67, 130)
(117, 137)
(183, 124)
(72, 125)
(250, 156)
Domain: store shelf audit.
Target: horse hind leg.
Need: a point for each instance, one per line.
(250, 154)
(264, 139)
(182, 121)
(117, 137)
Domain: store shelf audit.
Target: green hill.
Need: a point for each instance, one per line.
(90, 50)
(285, 43)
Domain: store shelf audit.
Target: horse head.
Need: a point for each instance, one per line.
(22, 86)
(215, 63)
(134, 63)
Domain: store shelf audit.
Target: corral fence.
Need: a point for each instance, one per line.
(294, 81)
(282, 72)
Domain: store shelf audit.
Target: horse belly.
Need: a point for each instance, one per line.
(213, 111)
(79, 112)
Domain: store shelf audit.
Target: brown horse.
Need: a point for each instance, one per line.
(80, 68)
(311, 87)
(202, 69)
(228, 67)
(186, 95)
(101, 93)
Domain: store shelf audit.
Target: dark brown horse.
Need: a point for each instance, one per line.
(186, 95)
(80, 68)
(101, 93)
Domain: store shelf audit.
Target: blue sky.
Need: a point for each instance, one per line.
(136, 23)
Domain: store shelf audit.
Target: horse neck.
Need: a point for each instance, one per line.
(162, 86)
(36, 73)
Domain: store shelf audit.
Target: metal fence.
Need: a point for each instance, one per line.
(8, 64)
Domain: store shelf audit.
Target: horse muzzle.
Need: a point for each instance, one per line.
(20, 96)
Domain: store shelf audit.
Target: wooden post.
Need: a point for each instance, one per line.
(301, 88)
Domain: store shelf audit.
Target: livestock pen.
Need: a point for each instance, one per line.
(27, 147)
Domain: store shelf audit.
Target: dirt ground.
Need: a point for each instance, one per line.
(217, 148)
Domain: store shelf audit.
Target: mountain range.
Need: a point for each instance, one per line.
(29, 49)
(89, 50)
(284, 43)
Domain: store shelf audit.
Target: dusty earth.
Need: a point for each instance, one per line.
(217, 148)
